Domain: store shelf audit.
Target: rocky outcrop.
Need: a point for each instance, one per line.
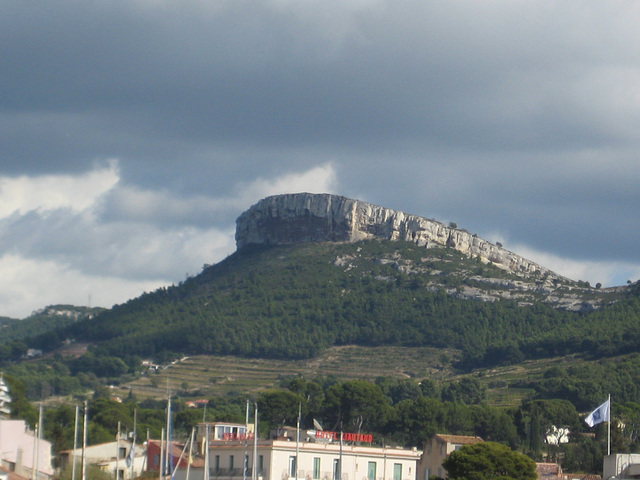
(304, 217)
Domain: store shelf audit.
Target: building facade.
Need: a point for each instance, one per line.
(111, 457)
(436, 450)
(310, 458)
(621, 465)
(20, 450)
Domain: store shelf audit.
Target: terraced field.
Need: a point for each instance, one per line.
(213, 375)
(206, 376)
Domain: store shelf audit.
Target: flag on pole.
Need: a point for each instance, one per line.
(131, 456)
(599, 415)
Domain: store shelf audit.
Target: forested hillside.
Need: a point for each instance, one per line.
(40, 329)
(292, 302)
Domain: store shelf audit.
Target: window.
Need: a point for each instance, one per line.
(260, 463)
(292, 466)
(230, 463)
(122, 452)
(371, 471)
(336, 469)
(427, 474)
(397, 471)
(217, 463)
(316, 468)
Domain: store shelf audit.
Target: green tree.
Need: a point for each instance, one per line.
(311, 391)
(494, 425)
(279, 407)
(357, 405)
(468, 390)
(417, 421)
(489, 461)
(398, 389)
(429, 388)
(20, 405)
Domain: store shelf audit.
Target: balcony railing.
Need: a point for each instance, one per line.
(232, 473)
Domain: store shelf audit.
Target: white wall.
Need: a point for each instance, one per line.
(277, 456)
(17, 445)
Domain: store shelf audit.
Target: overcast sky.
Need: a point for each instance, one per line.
(134, 132)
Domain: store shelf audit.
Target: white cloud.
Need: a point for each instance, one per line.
(320, 179)
(135, 204)
(607, 273)
(49, 192)
(65, 238)
(27, 285)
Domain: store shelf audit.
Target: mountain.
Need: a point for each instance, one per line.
(44, 320)
(314, 271)
(303, 218)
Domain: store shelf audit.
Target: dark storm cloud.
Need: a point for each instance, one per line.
(517, 121)
(265, 73)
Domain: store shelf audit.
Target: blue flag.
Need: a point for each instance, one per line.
(599, 415)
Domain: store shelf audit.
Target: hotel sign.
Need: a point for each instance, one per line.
(346, 437)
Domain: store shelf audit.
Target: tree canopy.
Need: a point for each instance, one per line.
(489, 461)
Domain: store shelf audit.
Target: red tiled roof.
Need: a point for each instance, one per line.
(459, 439)
(581, 476)
(548, 468)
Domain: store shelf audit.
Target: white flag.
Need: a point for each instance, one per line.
(599, 415)
(131, 456)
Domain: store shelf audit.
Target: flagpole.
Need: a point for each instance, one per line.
(168, 459)
(340, 461)
(162, 465)
(298, 437)
(254, 473)
(132, 452)
(193, 431)
(117, 450)
(245, 460)
(84, 439)
(609, 428)
(75, 445)
(207, 470)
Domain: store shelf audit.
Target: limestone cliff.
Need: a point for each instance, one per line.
(305, 217)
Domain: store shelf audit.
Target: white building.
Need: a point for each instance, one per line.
(110, 457)
(20, 450)
(5, 399)
(621, 466)
(284, 458)
(556, 436)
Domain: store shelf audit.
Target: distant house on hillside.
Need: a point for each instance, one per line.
(556, 436)
(436, 450)
(549, 471)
